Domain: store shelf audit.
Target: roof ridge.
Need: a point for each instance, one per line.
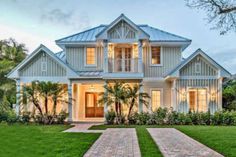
(102, 25)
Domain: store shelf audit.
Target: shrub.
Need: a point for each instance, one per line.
(61, 117)
(142, 118)
(110, 117)
(3, 116)
(25, 117)
(165, 117)
(11, 117)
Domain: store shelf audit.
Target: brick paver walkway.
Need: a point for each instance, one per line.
(83, 127)
(173, 143)
(117, 142)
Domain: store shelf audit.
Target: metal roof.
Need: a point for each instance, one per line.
(61, 55)
(154, 33)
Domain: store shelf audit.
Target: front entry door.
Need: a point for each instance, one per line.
(92, 108)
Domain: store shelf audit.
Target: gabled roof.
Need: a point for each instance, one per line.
(154, 34)
(174, 72)
(14, 72)
(142, 34)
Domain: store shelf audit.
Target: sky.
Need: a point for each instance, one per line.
(44, 21)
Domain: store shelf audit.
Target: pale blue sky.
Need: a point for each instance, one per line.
(34, 22)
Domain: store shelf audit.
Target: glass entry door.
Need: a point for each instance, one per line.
(92, 108)
(198, 99)
(122, 59)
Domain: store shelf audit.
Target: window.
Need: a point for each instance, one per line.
(198, 100)
(44, 66)
(197, 68)
(156, 99)
(156, 55)
(90, 56)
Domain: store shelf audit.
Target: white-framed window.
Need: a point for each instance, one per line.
(156, 99)
(44, 66)
(156, 56)
(90, 56)
(197, 68)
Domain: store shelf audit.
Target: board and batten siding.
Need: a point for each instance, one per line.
(76, 59)
(211, 86)
(33, 68)
(206, 69)
(205, 78)
(171, 57)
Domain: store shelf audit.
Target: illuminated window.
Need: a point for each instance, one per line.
(198, 100)
(90, 56)
(156, 55)
(156, 99)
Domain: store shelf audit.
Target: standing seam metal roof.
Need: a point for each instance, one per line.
(154, 33)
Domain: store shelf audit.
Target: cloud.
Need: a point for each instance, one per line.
(70, 19)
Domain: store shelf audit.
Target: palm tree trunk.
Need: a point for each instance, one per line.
(54, 107)
(46, 105)
(131, 107)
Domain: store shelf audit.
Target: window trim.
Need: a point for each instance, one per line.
(195, 68)
(161, 56)
(85, 57)
(150, 100)
(42, 64)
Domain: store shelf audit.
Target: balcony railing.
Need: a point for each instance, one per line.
(122, 65)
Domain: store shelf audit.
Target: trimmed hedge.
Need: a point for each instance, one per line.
(164, 116)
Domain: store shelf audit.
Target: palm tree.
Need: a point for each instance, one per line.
(31, 93)
(115, 94)
(57, 93)
(45, 90)
(135, 97)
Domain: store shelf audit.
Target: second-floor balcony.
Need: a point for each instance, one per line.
(117, 65)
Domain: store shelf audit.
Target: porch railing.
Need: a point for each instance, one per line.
(122, 65)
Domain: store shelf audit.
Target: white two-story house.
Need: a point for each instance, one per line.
(132, 53)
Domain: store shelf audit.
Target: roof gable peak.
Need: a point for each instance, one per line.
(103, 34)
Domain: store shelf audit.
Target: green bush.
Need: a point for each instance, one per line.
(162, 116)
(110, 117)
(61, 117)
(11, 117)
(25, 117)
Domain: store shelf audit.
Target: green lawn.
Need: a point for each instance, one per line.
(220, 138)
(47, 141)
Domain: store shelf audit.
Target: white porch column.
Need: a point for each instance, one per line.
(70, 101)
(18, 95)
(140, 56)
(220, 94)
(173, 95)
(105, 49)
(105, 104)
(140, 108)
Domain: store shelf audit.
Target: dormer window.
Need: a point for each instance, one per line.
(197, 68)
(155, 55)
(90, 56)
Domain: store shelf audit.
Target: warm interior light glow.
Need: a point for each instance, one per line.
(90, 56)
(213, 96)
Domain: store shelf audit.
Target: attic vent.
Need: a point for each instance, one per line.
(197, 68)
(44, 66)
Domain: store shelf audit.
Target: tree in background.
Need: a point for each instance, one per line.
(11, 54)
(220, 13)
(229, 95)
